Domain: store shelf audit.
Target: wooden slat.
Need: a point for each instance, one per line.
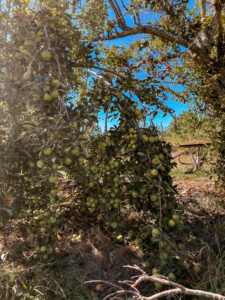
(196, 143)
(177, 153)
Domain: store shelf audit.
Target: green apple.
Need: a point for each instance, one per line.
(31, 164)
(155, 271)
(134, 194)
(55, 166)
(155, 232)
(27, 76)
(171, 223)
(158, 286)
(197, 269)
(47, 97)
(172, 276)
(91, 184)
(43, 229)
(43, 249)
(55, 94)
(164, 255)
(46, 55)
(68, 161)
(154, 197)
(114, 225)
(176, 218)
(153, 173)
(75, 151)
(40, 164)
(48, 151)
(56, 83)
(75, 125)
(53, 179)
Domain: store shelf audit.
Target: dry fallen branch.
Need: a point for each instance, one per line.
(143, 277)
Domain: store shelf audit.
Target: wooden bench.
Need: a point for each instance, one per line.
(197, 145)
(177, 153)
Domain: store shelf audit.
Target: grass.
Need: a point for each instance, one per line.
(189, 174)
(43, 284)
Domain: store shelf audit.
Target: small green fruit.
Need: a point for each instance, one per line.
(48, 151)
(155, 232)
(68, 161)
(146, 264)
(55, 94)
(153, 173)
(91, 184)
(172, 276)
(53, 179)
(154, 197)
(40, 164)
(164, 255)
(176, 218)
(43, 249)
(46, 55)
(31, 164)
(47, 97)
(75, 125)
(56, 83)
(114, 225)
(134, 194)
(75, 151)
(27, 76)
(171, 223)
(155, 271)
(55, 166)
(197, 269)
(43, 229)
(158, 286)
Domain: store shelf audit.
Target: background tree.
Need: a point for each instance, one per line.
(178, 43)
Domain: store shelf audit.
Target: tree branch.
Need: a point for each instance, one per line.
(118, 14)
(218, 7)
(147, 29)
(164, 58)
(102, 78)
(98, 68)
(202, 9)
(178, 289)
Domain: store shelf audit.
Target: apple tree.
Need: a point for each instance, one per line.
(55, 79)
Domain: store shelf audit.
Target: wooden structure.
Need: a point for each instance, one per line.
(191, 147)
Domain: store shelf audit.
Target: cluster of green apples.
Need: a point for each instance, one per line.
(45, 224)
(44, 129)
(126, 169)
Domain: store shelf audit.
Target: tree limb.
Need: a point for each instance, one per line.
(148, 29)
(178, 289)
(118, 14)
(218, 7)
(164, 58)
(102, 78)
(98, 68)
(202, 9)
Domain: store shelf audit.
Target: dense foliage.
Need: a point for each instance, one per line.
(49, 136)
(58, 72)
